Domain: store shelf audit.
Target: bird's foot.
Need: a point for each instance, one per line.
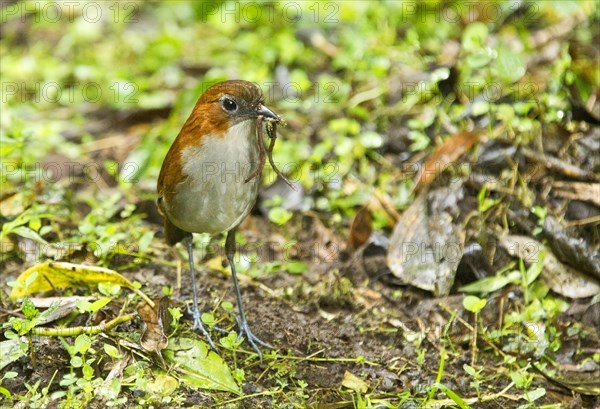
(253, 340)
(198, 325)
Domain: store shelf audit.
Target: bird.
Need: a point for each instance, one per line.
(206, 183)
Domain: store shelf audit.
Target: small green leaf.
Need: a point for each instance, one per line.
(83, 305)
(474, 36)
(535, 394)
(175, 313)
(88, 371)
(110, 289)
(509, 65)
(227, 306)
(29, 309)
(344, 126)
(296, 267)
(420, 141)
(535, 269)
(540, 212)
(519, 380)
(279, 215)
(5, 392)
(35, 224)
(473, 303)
(490, 284)
(469, 369)
(28, 234)
(76, 362)
(208, 319)
(145, 241)
(10, 375)
(452, 395)
(230, 341)
(370, 139)
(164, 385)
(30, 279)
(82, 343)
(99, 304)
(111, 351)
(480, 108)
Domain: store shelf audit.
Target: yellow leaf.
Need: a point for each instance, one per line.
(353, 382)
(215, 264)
(52, 275)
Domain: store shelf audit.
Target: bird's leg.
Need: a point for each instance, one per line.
(195, 310)
(244, 328)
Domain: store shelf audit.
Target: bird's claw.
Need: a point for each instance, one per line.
(253, 340)
(198, 325)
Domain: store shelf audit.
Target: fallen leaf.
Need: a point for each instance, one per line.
(428, 242)
(361, 227)
(199, 366)
(65, 306)
(156, 323)
(587, 192)
(50, 275)
(580, 380)
(561, 278)
(10, 351)
(444, 155)
(354, 383)
(163, 385)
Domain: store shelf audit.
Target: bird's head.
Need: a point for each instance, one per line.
(228, 103)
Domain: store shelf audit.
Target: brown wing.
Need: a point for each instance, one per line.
(167, 180)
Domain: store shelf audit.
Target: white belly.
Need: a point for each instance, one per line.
(215, 197)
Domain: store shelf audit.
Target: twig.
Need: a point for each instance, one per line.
(581, 222)
(89, 330)
(558, 165)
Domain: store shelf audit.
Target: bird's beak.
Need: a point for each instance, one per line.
(266, 112)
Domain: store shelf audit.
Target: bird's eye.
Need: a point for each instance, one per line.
(229, 104)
